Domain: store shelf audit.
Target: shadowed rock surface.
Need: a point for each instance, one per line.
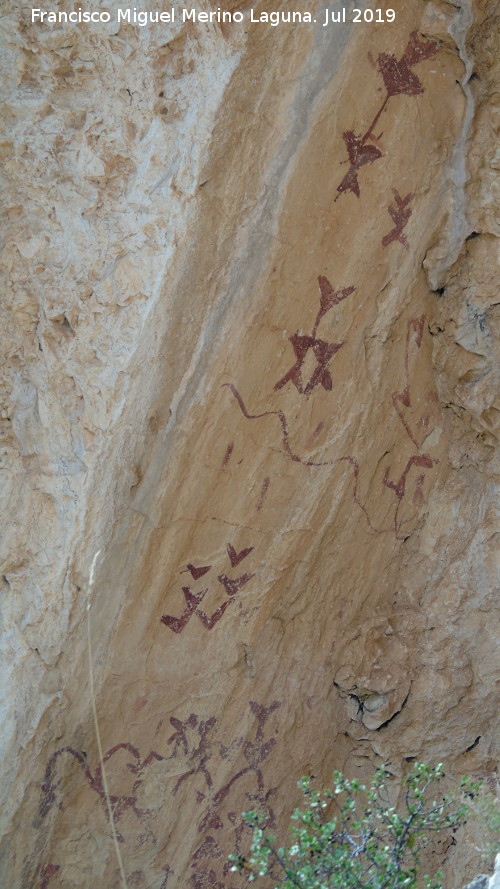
(485, 882)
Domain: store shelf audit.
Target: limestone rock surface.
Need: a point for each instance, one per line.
(251, 357)
(485, 882)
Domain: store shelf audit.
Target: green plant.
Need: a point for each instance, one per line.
(485, 812)
(351, 837)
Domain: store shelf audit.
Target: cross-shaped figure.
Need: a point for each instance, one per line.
(323, 352)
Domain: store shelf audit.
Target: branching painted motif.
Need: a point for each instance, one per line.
(400, 212)
(399, 80)
(192, 742)
(323, 351)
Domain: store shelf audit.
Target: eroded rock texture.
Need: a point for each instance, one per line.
(484, 882)
(252, 357)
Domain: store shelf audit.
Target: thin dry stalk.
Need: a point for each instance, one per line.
(97, 731)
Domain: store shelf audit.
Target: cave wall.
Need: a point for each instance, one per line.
(252, 359)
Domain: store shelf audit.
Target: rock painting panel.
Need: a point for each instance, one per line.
(416, 427)
(192, 743)
(193, 600)
(399, 80)
(245, 788)
(119, 803)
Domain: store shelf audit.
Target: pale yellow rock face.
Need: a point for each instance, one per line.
(251, 356)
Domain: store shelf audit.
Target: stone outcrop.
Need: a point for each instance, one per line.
(252, 360)
(485, 882)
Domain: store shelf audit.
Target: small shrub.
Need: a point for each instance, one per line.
(484, 810)
(350, 837)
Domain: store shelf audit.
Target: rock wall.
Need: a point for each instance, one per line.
(252, 359)
(484, 882)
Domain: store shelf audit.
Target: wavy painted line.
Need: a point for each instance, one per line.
(399, 488)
